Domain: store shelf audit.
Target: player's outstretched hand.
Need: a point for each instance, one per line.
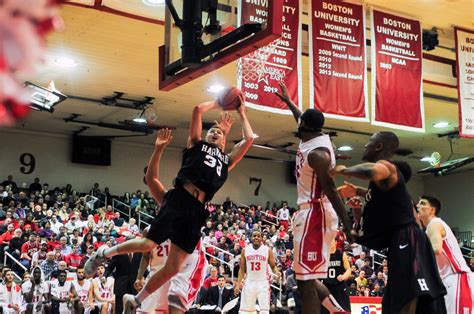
(241, 107)
(226, 122)
(163, 138)
(139, 283)
(347, 190)
(284, 93)
(236, 290)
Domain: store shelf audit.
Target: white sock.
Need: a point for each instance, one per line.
(111, 251)
(331, 304)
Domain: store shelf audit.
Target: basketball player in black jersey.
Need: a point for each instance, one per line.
(182, 215)
(414, 284)
(338, 272)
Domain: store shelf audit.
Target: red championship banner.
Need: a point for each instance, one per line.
(338, 64)
(397, 93)
(465, 75)
(260, 72)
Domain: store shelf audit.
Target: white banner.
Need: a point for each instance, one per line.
(465, 75)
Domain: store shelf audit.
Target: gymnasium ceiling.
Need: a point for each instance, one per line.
(117, 53)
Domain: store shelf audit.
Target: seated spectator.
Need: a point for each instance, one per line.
(360, 262)
(74, 259)
(377, 291)
(35, 186)
(380, 280)
(353, 290)
(46, 232)
(55, 224)
(27, 250)
(118, 221)
(212, 279)
(367, 269)
(73, 223)
(361, 280)
(65, 248)
(62, 266)
(132, 225)
(40, 256)
(218, 295)
(58, 256)
(88, 240)
(380, 268)
(9, 181)
(7, 235)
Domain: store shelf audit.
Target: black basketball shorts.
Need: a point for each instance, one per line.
(180, 219)
(412, 273)
(340, 293)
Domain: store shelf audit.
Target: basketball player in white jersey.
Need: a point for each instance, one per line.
(254, 262)
(315, 223)
(453, 269)
(10, 294)
(35, 292)
(63, 295)
(104, 291)
(84, 290)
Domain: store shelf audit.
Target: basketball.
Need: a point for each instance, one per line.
(228, 99)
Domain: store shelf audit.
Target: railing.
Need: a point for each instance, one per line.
(279, 288)
(6, 254)
(122, 208)
(222, 260)
(465, 237)
(380, 255)
(470, 254)
(140, 222)
(270, 222)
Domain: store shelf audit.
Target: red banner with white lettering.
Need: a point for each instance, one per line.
(260, 72)
(397, 83)
(465, 69)
(338, 64)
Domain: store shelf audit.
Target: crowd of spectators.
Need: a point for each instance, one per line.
(60, 228)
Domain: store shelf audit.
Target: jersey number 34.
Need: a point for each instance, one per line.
(214, 163)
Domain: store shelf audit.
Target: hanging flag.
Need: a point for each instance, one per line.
(465, 75)
(338, 65)
(397, 93)
(260, 72)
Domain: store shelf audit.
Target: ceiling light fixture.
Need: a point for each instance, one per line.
(65, 62)
(426, 159)
(216, 88)
(154, 3)
(44, 98)
(139, 120)
(441, 124)
(345, 148)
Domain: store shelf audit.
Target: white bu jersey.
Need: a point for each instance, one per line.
(159, 255)
(106, 285)
(257, 263)
(83, 291)
(451, 260)
(308, 187)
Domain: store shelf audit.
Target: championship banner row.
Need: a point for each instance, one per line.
(338, 65)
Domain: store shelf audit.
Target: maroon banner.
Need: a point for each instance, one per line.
(338, 66)
(397, 90)
(260, 73)
(464, 39)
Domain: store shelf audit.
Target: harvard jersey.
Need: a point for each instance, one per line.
(384, 211)
(83, 291)
(205, 166)
(336, 268)
(106, 285)
(451, 261)
(307, 183)
(256, 263)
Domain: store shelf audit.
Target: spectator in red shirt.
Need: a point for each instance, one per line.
(109, 213)
(58, 256)
(211, 281)
(28, 249)
(8, 235)
(340, 239)
(74, 259)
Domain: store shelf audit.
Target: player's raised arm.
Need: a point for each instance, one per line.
(195, 129)
(157, 189)
(381, 172)
(241, 148)
(287, 100)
